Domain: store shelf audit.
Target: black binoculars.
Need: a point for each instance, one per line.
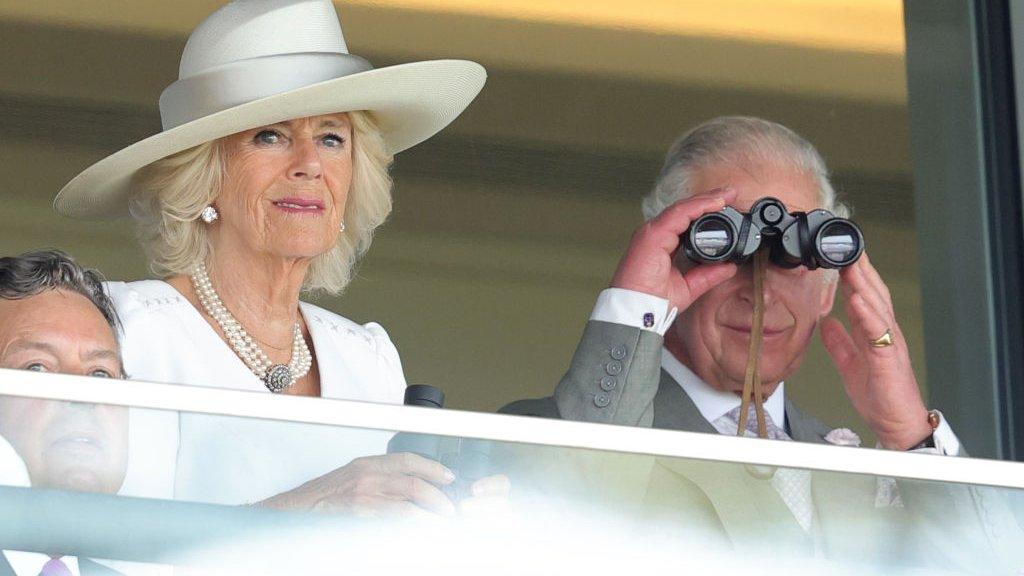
(815, 239)
(468, 458)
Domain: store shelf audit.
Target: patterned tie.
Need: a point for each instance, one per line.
(793, 485)
(55, 568)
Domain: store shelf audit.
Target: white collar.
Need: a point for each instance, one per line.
(30, 563)
(712, 403)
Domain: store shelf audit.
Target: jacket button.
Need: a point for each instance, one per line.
(602, 400)
(618, 352)
(608, 383)
(614, 368)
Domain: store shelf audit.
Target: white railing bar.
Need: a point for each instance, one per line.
(520, 429)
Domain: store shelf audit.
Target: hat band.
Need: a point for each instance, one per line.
(241, 82)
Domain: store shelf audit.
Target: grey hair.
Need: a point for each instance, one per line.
(34, 272)
(741, 139)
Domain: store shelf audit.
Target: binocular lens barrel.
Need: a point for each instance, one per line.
(713, 237)
(815, 239)
(424, 395)
(839, 243)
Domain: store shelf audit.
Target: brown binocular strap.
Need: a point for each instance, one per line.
(752, 379)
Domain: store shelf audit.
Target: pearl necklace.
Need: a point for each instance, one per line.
(276, 377)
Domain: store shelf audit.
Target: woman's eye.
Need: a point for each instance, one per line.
(100, 373)
(333, 141)
(267, 137)
(36, 367)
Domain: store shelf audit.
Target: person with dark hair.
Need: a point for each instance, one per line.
(35, 272)
(46, 295)
(55, 317)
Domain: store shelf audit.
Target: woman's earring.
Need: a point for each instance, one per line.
(342, 225)
(209, 214)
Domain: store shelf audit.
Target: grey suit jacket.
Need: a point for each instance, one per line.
(616, 378)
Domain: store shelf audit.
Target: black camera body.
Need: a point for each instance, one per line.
(468, 458)
(815, 239)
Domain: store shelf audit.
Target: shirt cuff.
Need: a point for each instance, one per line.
(636, 309)
(946, 442)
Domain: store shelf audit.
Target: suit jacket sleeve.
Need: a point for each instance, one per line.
(613, 377)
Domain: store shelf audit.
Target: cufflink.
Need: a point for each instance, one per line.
(648, 319)
(934, 420)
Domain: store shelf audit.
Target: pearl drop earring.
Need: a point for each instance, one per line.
(342, 225)
(209, 214)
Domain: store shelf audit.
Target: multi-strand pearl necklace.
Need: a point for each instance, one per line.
(276, 377)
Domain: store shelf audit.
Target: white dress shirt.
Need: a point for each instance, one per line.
(647, 312)
(229, 460)
(712, 403)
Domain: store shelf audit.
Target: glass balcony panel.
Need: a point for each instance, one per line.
(250, 483)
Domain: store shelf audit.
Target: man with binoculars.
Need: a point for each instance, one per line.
(674, 327)
(669, 342)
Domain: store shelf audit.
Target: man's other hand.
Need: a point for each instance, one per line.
(879, 380)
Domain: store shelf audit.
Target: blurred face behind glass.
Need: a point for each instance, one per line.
(713, 335)
(285, 187)
(64, 445)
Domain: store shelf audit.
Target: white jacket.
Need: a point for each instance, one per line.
(232, 460)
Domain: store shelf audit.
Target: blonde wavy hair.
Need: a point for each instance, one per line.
(169, 194)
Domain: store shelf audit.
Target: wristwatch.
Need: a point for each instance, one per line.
(934, 419)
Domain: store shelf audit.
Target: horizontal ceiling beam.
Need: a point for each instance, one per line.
(845, 49)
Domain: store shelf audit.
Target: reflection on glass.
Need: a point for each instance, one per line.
(713, 239)
(838, 247)
(68, 445)
(650, 511)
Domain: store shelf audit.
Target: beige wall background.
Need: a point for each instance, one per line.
(507, 224)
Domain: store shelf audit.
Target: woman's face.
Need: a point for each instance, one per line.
(285, 187)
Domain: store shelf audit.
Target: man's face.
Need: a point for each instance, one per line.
(712, 337)
(64, 445)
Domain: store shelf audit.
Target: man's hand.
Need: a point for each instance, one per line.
(879, 381)
(648, 265)
(374, 486)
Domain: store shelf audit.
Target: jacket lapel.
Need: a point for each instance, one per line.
(803, 427)
(847, 519)
(5, 566)
(327, 364)
(746, 505)
(744, 501)
(674, 410)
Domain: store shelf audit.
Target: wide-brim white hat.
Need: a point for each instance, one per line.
(259, 62)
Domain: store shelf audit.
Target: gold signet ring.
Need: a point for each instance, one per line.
(883, 340)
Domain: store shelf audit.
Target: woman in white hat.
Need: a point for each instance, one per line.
(268, 180)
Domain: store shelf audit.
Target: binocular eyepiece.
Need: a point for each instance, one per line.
(815, 239)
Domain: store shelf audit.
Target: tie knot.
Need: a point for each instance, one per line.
(55, 568)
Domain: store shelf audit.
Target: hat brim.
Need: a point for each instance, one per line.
(411, 102)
